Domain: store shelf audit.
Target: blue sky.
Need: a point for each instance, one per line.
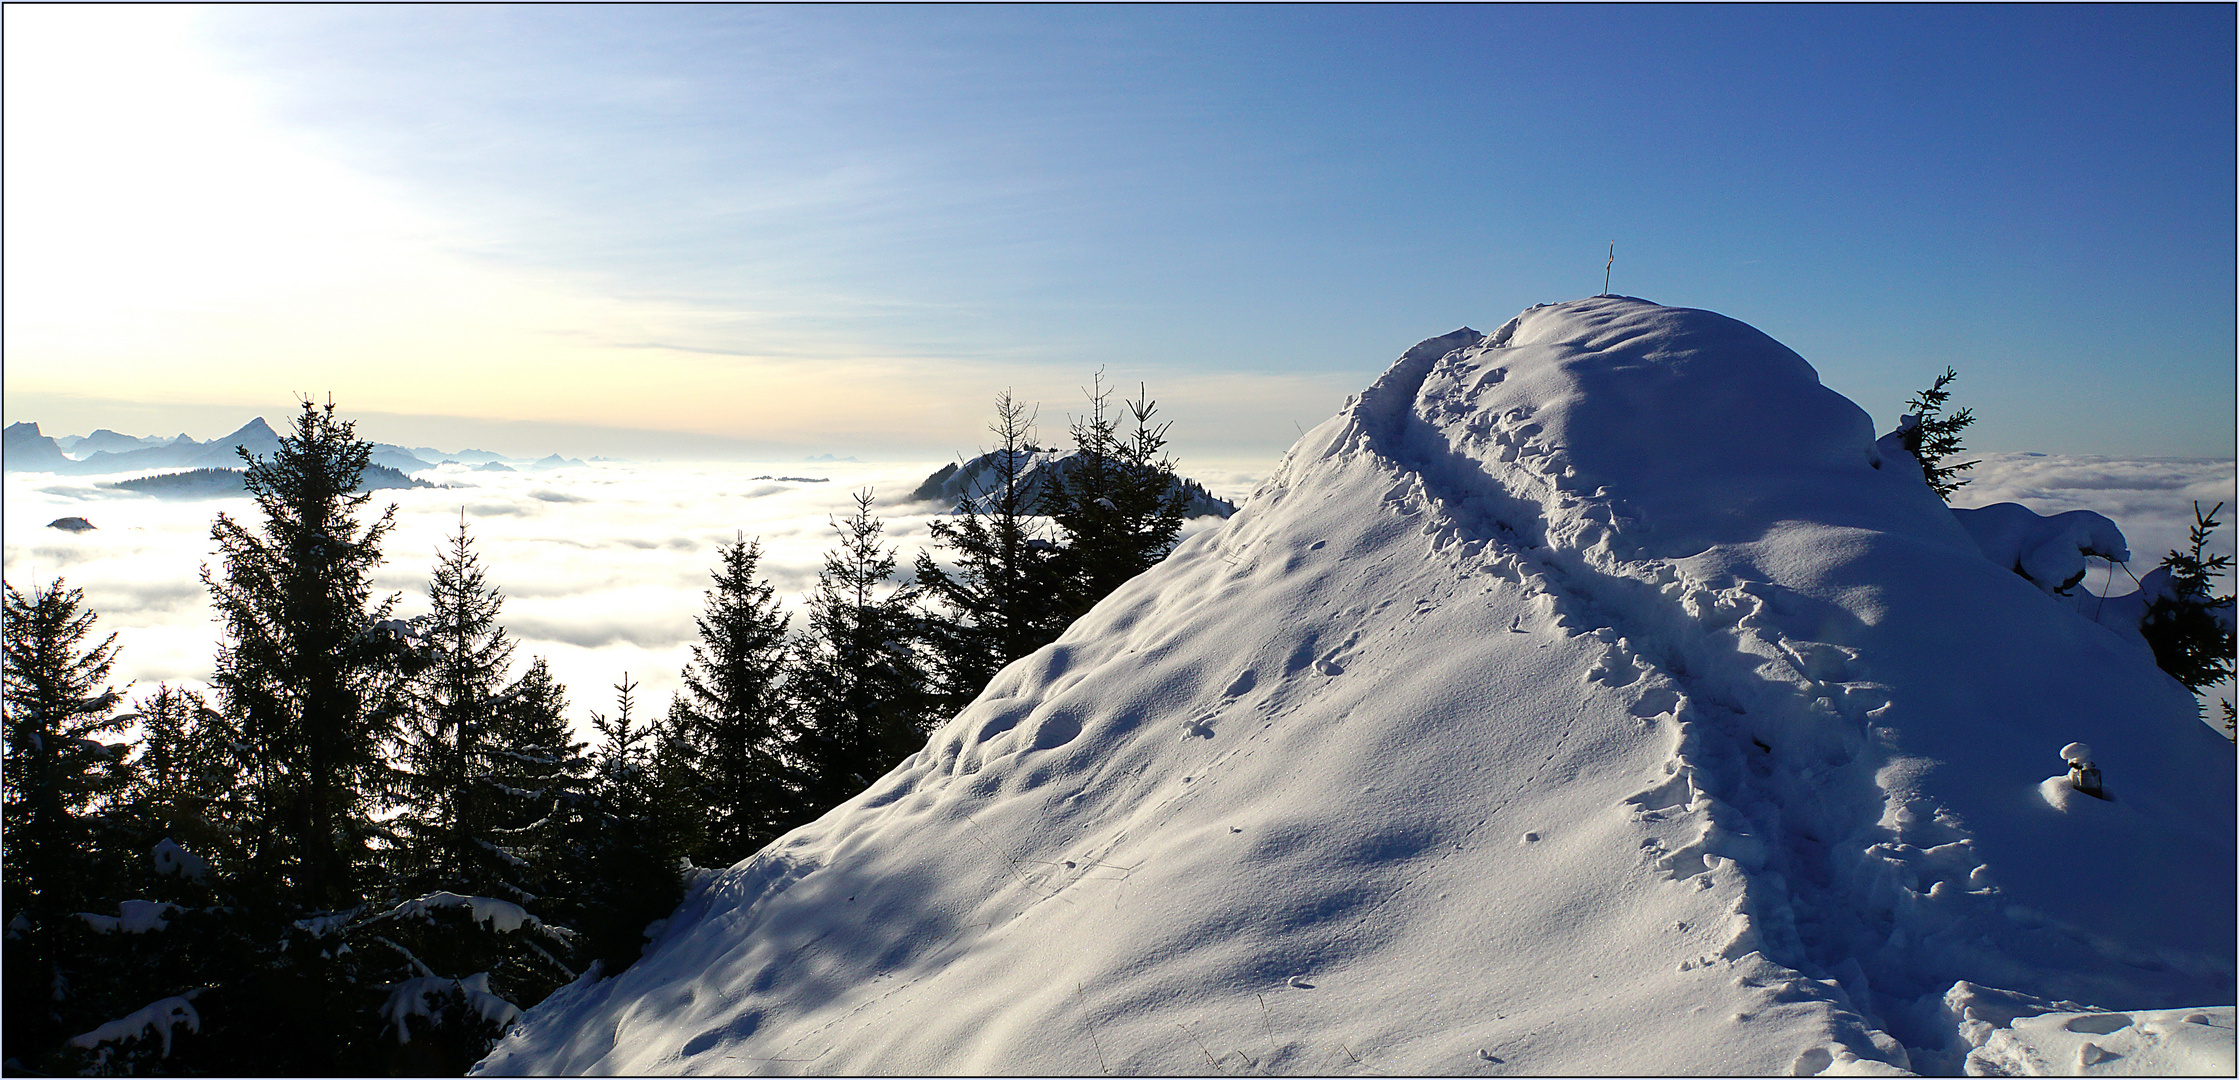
(845, 228)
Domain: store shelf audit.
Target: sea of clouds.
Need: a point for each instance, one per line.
(604, 567)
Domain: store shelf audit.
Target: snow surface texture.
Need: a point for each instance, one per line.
(1595, 697)
(2015, 1035)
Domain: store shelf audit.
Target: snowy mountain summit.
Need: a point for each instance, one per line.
(1593, 697)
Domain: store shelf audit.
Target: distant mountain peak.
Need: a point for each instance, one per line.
(255, 429)
(26, 449)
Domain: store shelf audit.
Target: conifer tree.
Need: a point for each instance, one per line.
(998, 603)
(1152, 499)
(861, 683)
(539, 776)
(488, 766)
(1934, 438)
(451, 804)
(58, 775)
(58, 772)
(729, 724)
(2189, 626)
(1083, 503)
(306, 669)
(178, 934)
(184, 797)
(312, 674)
(1119, 507)
(626, 862)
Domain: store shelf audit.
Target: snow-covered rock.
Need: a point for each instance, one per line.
(1587, 698)
(2049, 551)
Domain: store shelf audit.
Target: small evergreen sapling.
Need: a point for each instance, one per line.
(1934, 438)
(2189, 627)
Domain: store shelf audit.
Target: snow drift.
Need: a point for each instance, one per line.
(1592, 697)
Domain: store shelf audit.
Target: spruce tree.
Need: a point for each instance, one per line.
(539, 777)
(58, 773)
(184, 813)
(2189, 626)
(998, 604)
(1151, 498)
(59, 857)
(1934, 438)
(184, 798)
(626, 861)
(487, 769)
(729, 724)
(311, 673)
(1119, 507)
(307, 670)
(449, 800)
(861, 683)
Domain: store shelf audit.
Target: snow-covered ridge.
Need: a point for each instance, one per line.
(1595, 696)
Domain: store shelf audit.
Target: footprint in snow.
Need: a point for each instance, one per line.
(1328, 668)
(1298, 982)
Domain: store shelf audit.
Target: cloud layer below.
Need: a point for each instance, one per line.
(605, 567)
